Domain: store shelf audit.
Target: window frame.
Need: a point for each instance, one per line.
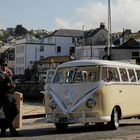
(121, 75)
(107, 74)
(129, 69)
(138, 79)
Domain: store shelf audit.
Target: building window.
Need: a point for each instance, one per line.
(72, 50)
(73, 40)
(58, 49)
(50, 40)
(41, 57)
(41, 48)
(86, 53)
(135, 54)
(20, 60)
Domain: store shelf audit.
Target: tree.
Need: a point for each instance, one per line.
(19, 31)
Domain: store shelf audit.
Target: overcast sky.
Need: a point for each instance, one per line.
(56, 14)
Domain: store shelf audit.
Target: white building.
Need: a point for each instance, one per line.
(90, 52)
(27, 52)
(64, 41)
(58, 43)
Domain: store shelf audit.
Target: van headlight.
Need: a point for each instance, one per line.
(52, 104)
(90, 103)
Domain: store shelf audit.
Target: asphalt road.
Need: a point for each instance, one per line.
(37, 129)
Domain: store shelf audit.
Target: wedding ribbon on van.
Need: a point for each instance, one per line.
(84, 98)
(58, 101)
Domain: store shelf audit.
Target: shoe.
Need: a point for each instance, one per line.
(15, 134)
(3, 130)
(2, 135)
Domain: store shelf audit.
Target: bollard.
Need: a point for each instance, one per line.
(18, 120)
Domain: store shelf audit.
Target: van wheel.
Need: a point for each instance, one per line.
(114, 123)
(61, 127)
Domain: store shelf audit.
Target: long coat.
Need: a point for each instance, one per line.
(7, 99)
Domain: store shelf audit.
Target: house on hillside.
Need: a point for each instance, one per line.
(92, 44)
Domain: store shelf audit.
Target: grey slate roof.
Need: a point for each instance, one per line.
(67, 33)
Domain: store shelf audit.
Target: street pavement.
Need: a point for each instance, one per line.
(35, 108)
(31, 108)
(34, 114)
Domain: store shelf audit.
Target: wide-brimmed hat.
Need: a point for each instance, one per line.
(3, 62)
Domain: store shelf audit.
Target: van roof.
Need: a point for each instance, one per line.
(99, 62)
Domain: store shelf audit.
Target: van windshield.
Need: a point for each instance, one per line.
(77, 74)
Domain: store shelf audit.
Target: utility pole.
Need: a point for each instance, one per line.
(109, 31)
(83, 43)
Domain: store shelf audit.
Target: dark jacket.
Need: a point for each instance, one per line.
(7, 99)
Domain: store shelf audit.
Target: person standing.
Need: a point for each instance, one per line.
(7, 99)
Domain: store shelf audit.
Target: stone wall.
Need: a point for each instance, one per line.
(31, 92)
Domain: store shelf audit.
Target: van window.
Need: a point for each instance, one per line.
(80, 76)
(138, 75)
(132, 75)
(104, 73)
(64, 75)
(110, 74)
(93, 74)
(124, 75)
(77, 74)
(113, 74)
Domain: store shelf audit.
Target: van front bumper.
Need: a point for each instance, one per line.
(55, 118)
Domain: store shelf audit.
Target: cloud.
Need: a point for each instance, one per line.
(63, 23)
(124, 14)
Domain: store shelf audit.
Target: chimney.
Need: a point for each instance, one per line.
(102, 25)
